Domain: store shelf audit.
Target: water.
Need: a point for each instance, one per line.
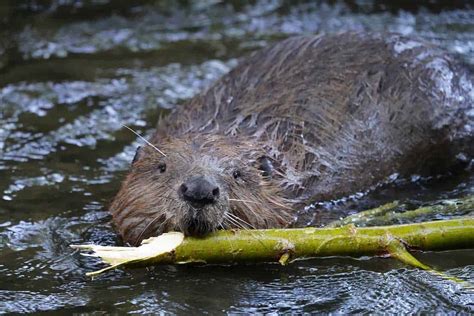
(72, 72)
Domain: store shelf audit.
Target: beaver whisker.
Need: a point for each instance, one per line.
(241, 220)
(229, 219)
(241, 225)
(223, 226)
(238, 200)
(144, 139)
(235, 223)
(152, 222)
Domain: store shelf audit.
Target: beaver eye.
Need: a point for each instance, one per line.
(265, 166)
(236, 174)
(162, 167)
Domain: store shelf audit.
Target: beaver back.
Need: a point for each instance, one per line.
(340, 113)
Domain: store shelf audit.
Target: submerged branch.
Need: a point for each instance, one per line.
(392, 213)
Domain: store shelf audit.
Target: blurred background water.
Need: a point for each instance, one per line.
(73, 71)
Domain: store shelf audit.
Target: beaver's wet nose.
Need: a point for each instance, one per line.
(199, 191)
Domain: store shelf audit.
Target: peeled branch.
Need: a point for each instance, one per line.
(287, 245)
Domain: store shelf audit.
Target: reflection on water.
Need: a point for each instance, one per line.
(72, 72)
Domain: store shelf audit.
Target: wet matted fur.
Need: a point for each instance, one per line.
(304, 120)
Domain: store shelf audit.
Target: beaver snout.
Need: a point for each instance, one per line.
(199, 191)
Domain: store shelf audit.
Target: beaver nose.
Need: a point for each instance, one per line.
(199, 191)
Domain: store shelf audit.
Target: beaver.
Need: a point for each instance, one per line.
(307, 119)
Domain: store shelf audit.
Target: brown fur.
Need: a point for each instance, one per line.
(335, 114)
(148, 202)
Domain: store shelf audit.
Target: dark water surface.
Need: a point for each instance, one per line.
(72, 72)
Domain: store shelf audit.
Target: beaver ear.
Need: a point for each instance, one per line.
(265, 165)
(138, 154)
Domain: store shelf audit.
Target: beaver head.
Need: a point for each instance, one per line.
(200, 184)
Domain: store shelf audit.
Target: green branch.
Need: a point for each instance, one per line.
(286, 245)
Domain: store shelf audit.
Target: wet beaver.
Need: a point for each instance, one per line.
(305, 120)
